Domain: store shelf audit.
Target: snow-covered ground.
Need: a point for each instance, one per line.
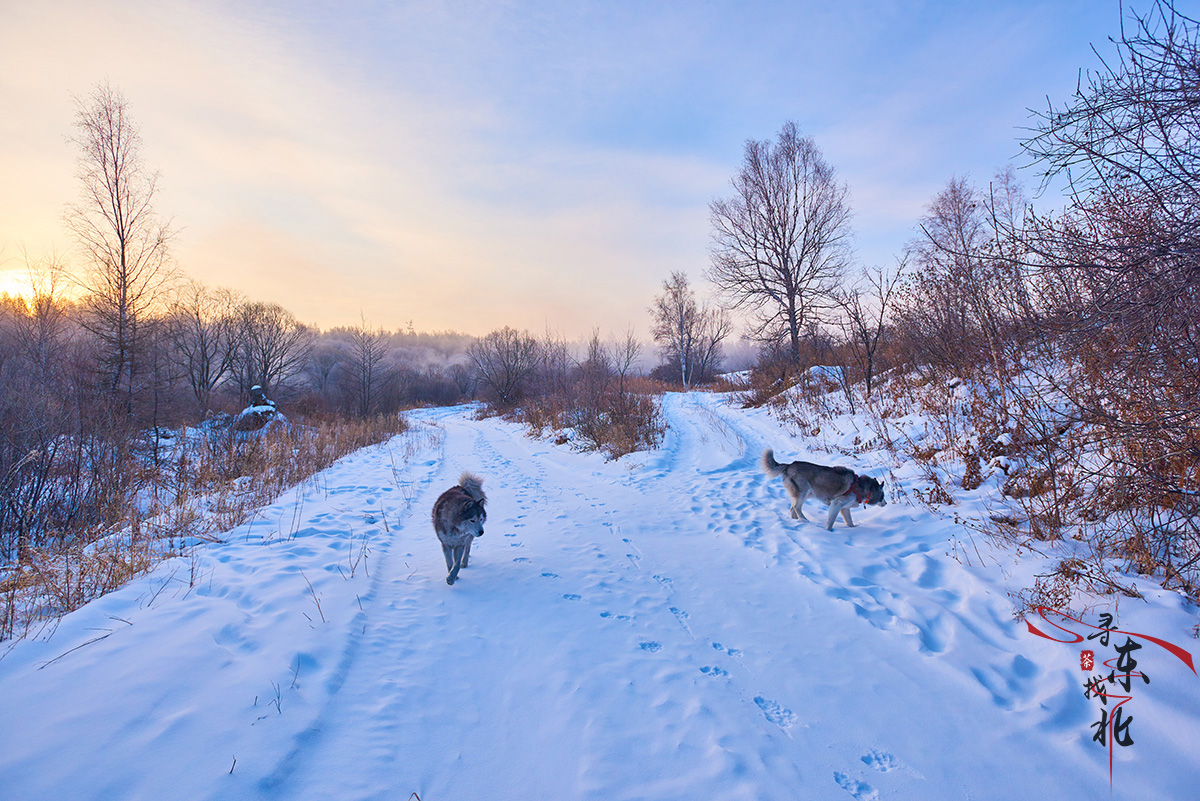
(651, 628)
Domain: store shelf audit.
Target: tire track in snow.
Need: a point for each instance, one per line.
(715, 466)
(367, 722)
(631, 591)
(310, 736)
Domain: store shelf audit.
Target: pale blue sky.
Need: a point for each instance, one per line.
(474, 164)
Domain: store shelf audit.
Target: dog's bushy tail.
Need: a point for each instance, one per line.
(769, 465)
(473, 486)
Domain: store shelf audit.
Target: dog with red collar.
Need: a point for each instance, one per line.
(840, 487)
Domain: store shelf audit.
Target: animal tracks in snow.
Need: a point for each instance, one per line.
(1008, 685)
(624, 582)
(859, 790)
(622, 659)
(609, 615)
(775, 712)
(880, 761)
(887, 573)
(682, 617)
(884, 762)
(734, 652)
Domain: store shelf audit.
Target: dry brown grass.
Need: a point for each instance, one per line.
(193, 498)
(1123, 496)
(767, 385)
(615, 423)
(632, 422)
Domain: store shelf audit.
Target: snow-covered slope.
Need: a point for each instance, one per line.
(651, 628)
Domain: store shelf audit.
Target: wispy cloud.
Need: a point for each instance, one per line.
(474, 164)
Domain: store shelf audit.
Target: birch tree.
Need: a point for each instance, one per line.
(124, 241)
(689, 335)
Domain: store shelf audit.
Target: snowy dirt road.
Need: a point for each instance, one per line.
(651, 628)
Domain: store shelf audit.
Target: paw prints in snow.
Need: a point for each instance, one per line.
(780, 715)
(884, 762)
(682, 617)
(734, 652)
(881, 761)
(860, 790)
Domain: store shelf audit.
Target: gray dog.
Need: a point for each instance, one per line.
(458, 517)
(840, 487)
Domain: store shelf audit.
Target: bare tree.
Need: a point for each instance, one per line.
(555, 364)
(1133, 124)
(1122, 259)
(689, 335)
(782, 241)
(1125, 250)
(625, 353)
(505, 360)
(121, 235)
(865, 312)
(595, 375)
(939, 303)
(967, 290)
(273, 347)
(46, 324)
(368, 349)
(675, 314)
(1129, 143)
(203, 326)
(715, 327)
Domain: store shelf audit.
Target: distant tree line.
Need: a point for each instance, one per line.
(92, 358)
(72, 400)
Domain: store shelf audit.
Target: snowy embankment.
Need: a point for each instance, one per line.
(651, 628)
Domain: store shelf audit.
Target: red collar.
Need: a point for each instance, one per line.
(858, 496)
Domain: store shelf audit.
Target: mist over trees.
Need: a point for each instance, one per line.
(689, 335)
